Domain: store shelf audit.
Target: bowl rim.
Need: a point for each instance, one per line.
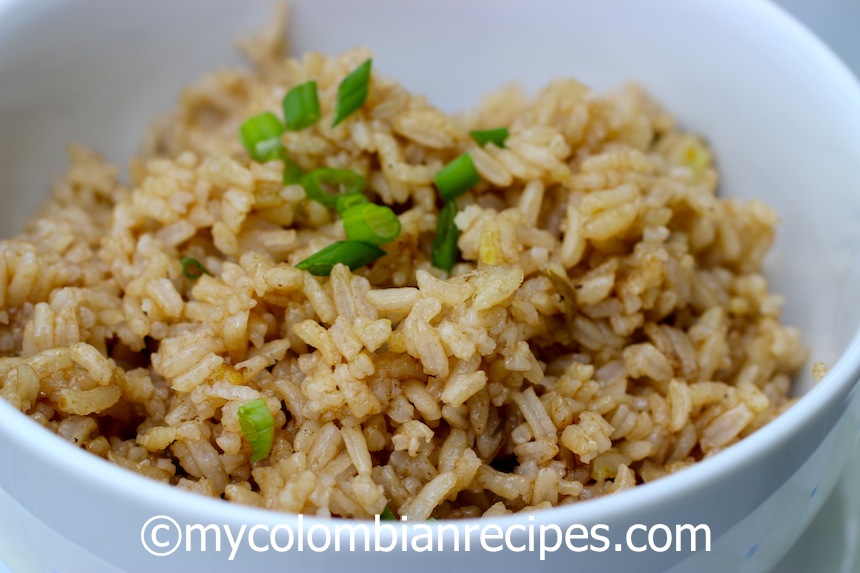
(52, 450)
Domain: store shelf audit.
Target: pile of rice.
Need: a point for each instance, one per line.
(608, 323)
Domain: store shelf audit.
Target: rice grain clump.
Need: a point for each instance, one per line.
(606, 322)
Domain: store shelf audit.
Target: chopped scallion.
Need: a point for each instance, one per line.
(353, 254)
(261, 136)
(370, 223)
(483, 136)
(387, 515)
(352, 92)
(346, 200)
(301, 106)
(258, 425)
(457, 177)
(318, 184)
(292, 172)
(443, 252)
(193, 269)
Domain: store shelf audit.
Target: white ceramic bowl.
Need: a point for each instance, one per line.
(782, 113)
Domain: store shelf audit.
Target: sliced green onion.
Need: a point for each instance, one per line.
(443, 252)
(301, 106)
(457, 177)
(346, 200)
(261, 136)
(370, 223)
(387, 515)
(193, 269)
(353, 254)
(483, 136)
(258, 425)
(352, 92)
(292, 172)
(318, 184)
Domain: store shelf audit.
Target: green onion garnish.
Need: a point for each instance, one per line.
(292, 172)
(352, 92)
(261, 136)
(318, 182)
(370, 223)
(387, 515)
(457, 177)
(258, 425)
(301, 106)
(483, 136)
(193, 269)
(353, 254)
(443, 252)
(346, 200)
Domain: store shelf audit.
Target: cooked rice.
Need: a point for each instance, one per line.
(608, 323)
